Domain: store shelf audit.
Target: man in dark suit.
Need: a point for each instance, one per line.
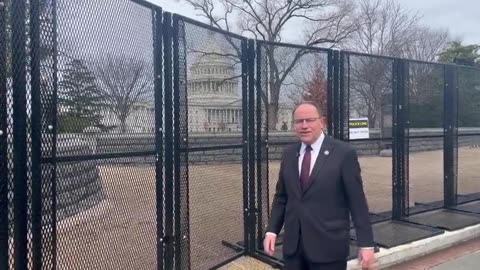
(319, 186)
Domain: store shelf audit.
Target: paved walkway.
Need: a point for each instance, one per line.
(466, 262)
(465, 256)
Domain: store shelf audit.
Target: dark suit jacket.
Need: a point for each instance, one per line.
(321, 211)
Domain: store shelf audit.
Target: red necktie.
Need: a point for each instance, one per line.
(305, 172)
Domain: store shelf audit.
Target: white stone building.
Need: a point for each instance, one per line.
(140, 120)
(214, 95)
(214, 98)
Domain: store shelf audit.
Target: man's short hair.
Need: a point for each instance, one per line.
(314, 104)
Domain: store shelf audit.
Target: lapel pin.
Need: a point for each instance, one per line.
(326, 152)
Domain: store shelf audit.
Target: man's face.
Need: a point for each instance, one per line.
(307, 123)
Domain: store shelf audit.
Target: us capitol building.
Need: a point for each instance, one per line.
(214, 96)
(214, 100)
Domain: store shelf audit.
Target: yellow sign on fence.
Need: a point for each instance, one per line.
(358, 128)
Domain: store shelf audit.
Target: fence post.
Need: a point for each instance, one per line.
(252, 210)
(336, 94)
(245, 151)
(400, 187)
(20, 200)
(335, 86)
(167, 238)
(3, 140)
(36, 135)
(450, 136)
(330, 92)
(262, 152)
(343, 114)
(182, 234)
(176, 143)
(159, 180)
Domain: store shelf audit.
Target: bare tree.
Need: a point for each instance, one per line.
(124, 82)
(386, 28)
(426, 45)
(330, 22)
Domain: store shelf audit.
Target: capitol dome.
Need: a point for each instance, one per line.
(214, 88)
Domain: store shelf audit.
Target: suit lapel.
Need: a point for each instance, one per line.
(294, 168)
(323, 155)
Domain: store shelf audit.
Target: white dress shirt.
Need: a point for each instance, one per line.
(313, 153)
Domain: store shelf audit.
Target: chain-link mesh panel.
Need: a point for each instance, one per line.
(99, 135)
(106, 216)
(368, 117)
(210, 178)
(468, 84)
(46, 107)
(426, 134)
(286, 75)
(80, 132)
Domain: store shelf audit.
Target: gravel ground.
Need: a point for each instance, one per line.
(247, 263)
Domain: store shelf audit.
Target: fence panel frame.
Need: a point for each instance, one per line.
(4, 256)
(168, 237)
(400, 187)
(180, 107)
(19, 85)
(450, 128)
(37, 252)
(245, 147)
(159, 160)
(174, 153)
(180, 149)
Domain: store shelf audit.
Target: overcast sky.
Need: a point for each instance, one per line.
(461, 18)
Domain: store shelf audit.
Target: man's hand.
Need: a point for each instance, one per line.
(366, 257)
(269, 244)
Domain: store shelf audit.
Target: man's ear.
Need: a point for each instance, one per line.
(324, 121)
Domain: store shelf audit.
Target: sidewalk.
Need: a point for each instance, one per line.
(465, 256)
(466, 262)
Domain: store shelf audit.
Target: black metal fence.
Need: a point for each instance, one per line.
(210, 85)
(363, 77)
(134, 138)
